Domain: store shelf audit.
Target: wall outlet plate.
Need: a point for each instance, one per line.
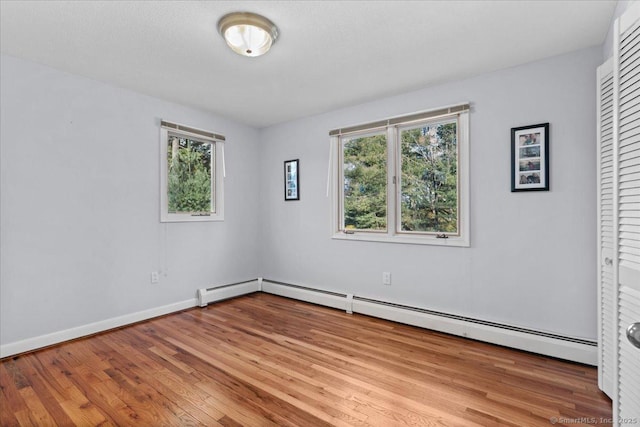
(155, 277)
(386, 278)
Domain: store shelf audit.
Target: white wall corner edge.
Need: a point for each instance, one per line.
(30, 344)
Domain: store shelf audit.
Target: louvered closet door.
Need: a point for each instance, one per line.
(628, 209)
(606, 293)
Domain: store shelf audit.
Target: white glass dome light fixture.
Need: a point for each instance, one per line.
(247, 33)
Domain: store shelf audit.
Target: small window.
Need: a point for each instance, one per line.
(404, 179)
(191, 179)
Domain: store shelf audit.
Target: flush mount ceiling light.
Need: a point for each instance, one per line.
(248, 34)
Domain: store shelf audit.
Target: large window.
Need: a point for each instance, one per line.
(191, 179)
(404, 179)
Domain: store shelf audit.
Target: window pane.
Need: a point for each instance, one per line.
(189, 163)
(429, 190)
(365, 182)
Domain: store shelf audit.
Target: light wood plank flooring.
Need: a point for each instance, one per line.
(262, 360)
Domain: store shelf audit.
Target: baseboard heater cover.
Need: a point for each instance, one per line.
(315, 296)
(554, 345)
(480, 322)
(568, 348)
(232, 290)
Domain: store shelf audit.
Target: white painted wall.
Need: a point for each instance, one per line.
(607, 46)
(532, 256)
(79, 199)
(80, 204)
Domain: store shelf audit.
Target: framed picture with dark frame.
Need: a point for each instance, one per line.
(291, 180)
(530, 158)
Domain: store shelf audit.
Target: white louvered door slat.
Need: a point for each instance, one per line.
(626, 203)
(606, 301)
(629, 362)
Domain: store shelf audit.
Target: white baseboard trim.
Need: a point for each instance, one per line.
(548, 346)
(35, 343)
(204, 296)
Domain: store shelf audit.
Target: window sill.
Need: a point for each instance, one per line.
(404, 239)
(191, 218)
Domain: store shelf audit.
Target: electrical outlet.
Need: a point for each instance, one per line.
(386, 278)
(155, 277)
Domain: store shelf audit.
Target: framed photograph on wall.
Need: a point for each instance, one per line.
(530, 158)
(292, 180)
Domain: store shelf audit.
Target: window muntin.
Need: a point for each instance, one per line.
(364, 182)
(192, 172)
(428, 187)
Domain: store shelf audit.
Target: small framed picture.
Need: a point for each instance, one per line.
(530, 158)
(292, 180)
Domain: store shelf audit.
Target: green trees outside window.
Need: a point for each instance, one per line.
(365, 182)
(189, 180)
(429, 185)
(404, 179)
(427, 199)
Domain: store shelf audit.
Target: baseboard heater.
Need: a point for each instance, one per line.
(232, 290)
(563, 347)
(549, 344)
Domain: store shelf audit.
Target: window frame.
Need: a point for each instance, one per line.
(217, 174)
(394, 234)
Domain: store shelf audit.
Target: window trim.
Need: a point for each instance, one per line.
(217, 142)
(393, 233)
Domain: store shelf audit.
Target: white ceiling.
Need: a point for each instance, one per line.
(330, 54)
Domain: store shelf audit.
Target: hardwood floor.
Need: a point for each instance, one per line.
(262, 360)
